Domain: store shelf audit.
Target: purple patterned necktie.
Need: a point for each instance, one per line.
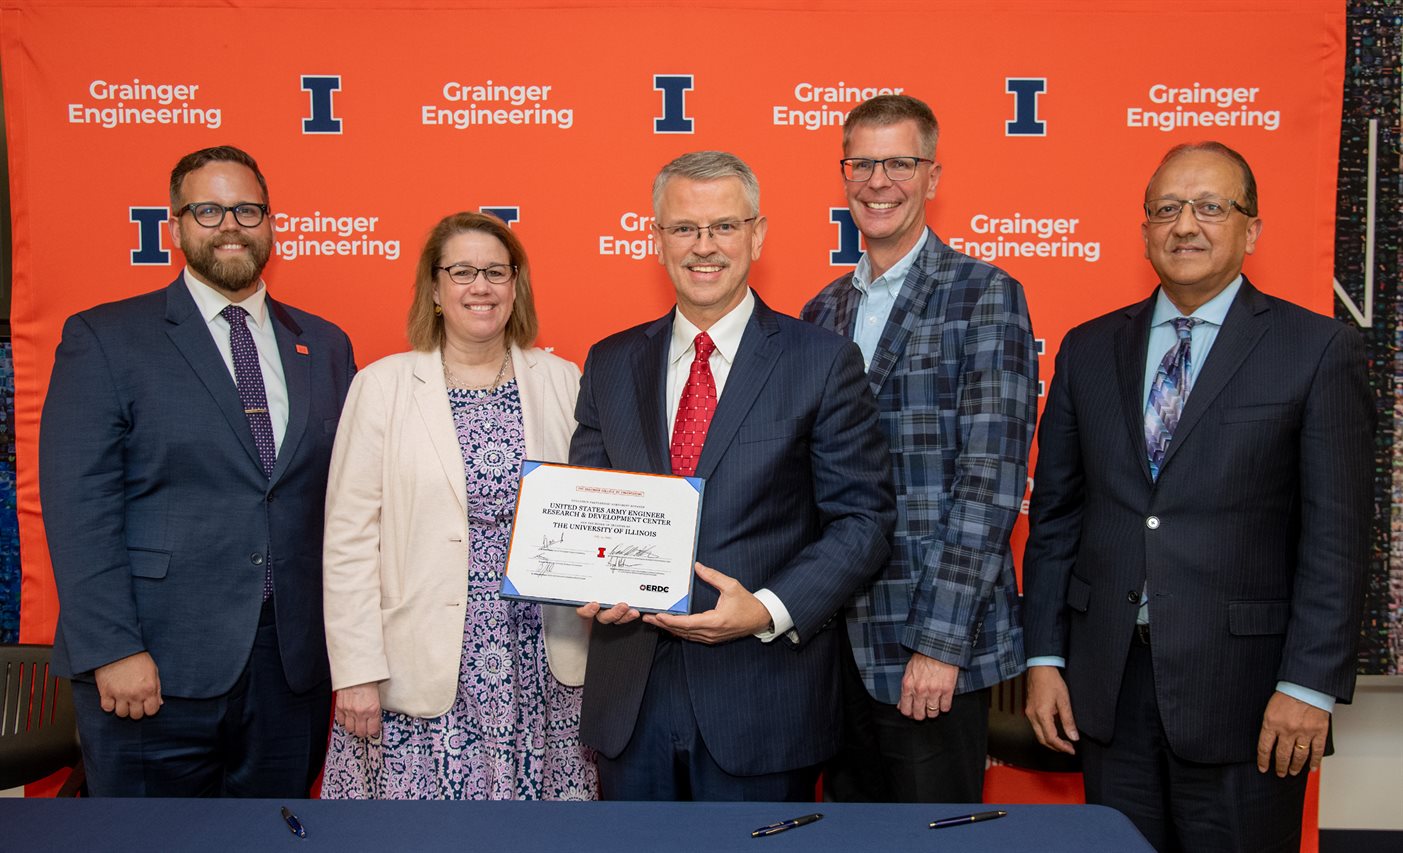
(254, 398)
(1167, 394)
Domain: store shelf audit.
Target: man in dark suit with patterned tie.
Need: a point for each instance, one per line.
(1200, 526)
(183, 459)
(740, 700)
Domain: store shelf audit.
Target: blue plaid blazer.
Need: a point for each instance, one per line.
(956, 379)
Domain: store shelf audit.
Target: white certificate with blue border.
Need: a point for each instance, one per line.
(591, 534)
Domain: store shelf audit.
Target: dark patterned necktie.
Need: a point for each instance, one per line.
(254, 398)
(694, 410)
(1168, 393)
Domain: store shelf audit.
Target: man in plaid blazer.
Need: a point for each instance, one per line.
(950, 356)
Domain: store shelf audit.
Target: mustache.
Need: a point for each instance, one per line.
(713, 259)
(225, 237)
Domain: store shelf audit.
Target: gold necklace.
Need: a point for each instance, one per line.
(455, 382)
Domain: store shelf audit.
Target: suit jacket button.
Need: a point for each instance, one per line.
(1152, 522)
(256, 558)
(1133, 596)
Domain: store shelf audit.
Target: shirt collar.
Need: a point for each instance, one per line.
(894, 277)
(725, 333)
(1213, 311)
(211, 301)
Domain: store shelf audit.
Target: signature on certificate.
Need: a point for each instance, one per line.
(619, 556)
(550, 545)
(552, 553)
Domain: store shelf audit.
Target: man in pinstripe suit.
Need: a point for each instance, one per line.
(950, 356)
(1200, 528)
(739, 700)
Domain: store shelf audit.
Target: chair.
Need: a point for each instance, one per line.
(1023, 770)
(1011, 737)
(38, 729)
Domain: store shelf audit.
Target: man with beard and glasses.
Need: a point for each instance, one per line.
(183, 460)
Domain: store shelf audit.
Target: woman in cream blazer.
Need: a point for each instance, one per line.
(397, 541)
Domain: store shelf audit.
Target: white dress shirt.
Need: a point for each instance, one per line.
(210, 303)
(726, 334)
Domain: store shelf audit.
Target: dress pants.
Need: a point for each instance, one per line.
(1183, 805)
(258, 740)
(666, 758)
(887, 757)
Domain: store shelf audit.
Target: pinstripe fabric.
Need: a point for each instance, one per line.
(797, 500)
(143, 433)
(1254, 563)
(955, 375)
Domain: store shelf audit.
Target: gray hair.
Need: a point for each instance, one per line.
(709, 166)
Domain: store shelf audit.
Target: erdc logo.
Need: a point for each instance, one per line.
(648, 587)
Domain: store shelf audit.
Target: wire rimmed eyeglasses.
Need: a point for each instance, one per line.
(720, 232)
(1206, 209)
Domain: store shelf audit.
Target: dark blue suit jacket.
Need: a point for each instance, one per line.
(158, 514)
(798, 499)
(1252, 543)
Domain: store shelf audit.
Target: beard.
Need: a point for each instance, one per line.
(231, 274)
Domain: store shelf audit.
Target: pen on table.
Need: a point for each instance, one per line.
(966, 818)
(785, 825)
(294, 824)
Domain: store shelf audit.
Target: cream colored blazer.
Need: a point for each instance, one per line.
(395, 565)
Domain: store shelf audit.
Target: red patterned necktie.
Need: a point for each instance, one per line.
(695, 409)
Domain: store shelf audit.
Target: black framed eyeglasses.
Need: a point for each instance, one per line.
(467, 273)
(211, 215)
(859, 169)
(1206, 209)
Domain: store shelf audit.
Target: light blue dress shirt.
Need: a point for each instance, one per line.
(1162, 337)
(879, 297)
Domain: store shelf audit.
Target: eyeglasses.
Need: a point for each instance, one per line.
(211, 215)
(720, 232)
(467, 273)
(859, 169)
(1206, 209)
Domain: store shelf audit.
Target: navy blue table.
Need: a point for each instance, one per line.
(73, 826)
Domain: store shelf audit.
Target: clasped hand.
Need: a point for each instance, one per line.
(130, 687)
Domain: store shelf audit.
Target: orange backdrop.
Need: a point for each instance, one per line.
(372, 123)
